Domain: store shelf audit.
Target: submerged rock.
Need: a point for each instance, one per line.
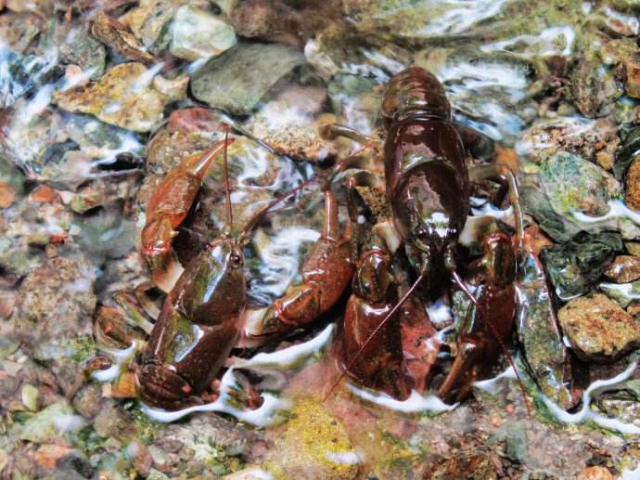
(598, 329)
(198, 33)
(313, 445)
(574, 267)
(623, 293)
(74, 45)
(538, 329)
(116, 35)
(237, 80)
(593, 88)
(623, 269)
(60, 337)
(632, 193)
(18, 30)
(149, 21)
(51, 423)
(581, 136)
(124, 97)
(575, 185)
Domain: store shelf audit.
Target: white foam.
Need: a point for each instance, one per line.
(491, 384)
(617, 209)
(586, 413)
(414, 404)
(548, 42)
(630, 474)
(459, 15)
(119, 358)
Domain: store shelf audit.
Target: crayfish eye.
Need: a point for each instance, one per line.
(236, 260)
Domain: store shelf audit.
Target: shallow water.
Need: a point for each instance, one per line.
(508, 67)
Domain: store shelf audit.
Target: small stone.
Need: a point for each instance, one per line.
(595, 473)
(48, 424)
(623, 269)
(313, 445)
(7, 195)
(48, 455)
(632, 194)
(623, 293)
(225, 82)
(30, 397)
(198, 34)
(44, 194)
(633, 248)
(18, 30)
(117, 36)
(634, 309)
(598, 329)
(631, 66)
(113, 100)
(124, 386)
(8, 300)
(575, 185)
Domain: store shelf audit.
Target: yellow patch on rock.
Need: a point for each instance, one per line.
(124, 97)
(314, 445)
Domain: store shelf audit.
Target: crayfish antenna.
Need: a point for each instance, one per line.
(227, 183)
(463, 287)
(258, 216)
(513, 365)
(373, 334)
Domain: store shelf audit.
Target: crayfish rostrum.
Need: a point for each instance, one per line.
(386, 340)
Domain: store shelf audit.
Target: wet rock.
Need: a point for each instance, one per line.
(595, 473)
(580, 136)
(574, 185)
(356, 101)
(113, 100)
(50, 423)
(632, 192)
(575, 266)
(60, 337)
(237, 80)
(21, 76)
(287, 123)
(88, 401)
(116, 35)
(623, 269)
(74, 45)
(267, 20)
(537, 326)
(18, 30)
(593, 88)
(7, 195)
(29, 395)
(149, 22)
(623, 293)
(111, 421)
(627, 152)
(631, 68)
(312, 446)
(198, 33)
(598, 329)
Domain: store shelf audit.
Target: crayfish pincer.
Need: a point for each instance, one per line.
(428, 187)
(203, 314)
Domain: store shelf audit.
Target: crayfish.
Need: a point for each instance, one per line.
(387, 341)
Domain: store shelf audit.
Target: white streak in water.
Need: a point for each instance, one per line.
(119, 358)
(280, 261)
(630, 474)
(459, 15)
(617, 210)
(265, 414)
(344, 458)
(414, 404)
(491, 384)
(585, 412)
(547, 39)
